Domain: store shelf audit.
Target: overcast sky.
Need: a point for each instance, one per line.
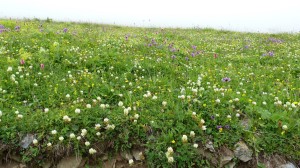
(240, 15)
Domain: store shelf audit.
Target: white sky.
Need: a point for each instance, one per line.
(241, 15)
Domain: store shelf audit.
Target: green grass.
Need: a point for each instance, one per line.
(103, 65)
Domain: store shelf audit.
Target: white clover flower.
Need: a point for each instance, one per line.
(237, 115)
(99, 98)
(92, 151)
(61, 138)
(170, 150)
(77, 111)
(98, 133)
(120, 104)
(135, 121)
(131, 162)
(164, 103)
(72, 135)
(49, 144)
(126, 111)
(154, 97)
(68, 96)
(181, 97)
(284, 127)
(217, 115)
(9, 69)
(83, 132)
(78, 138)
(264, 103)
(97, 126)
(66, 118)
(218, 101)
(106, 120)
(20, 116)
(203, 127)
(0, 113)
(88, 106)
(184, 138)
(170, 159)
(236, 99)
(195, 145)
(202, 121)
(229, 116)
(136, 116)
(148, 93)
(46, 110)
(254, 103)
(102, 106)
(87, 143)
(53, 132)
(194, 90)
(17, 112)
(110, 126)
(35, 141)
(194, 113)
(192, 134)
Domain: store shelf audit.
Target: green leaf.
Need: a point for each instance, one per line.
(265, 114)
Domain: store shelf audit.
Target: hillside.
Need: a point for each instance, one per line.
(170, 97)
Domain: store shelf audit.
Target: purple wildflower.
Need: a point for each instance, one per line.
(271, 53)
(187, 58)
(42, 66)
(274, 40)
(194, 47)
(17, 28)
(2, 28)
(193, 54)
(212, 117)
(65, 30)
(219, 127)
(226, 79)
(173, 56)
(227, 127)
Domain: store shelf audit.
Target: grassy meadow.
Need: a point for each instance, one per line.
(90, 90)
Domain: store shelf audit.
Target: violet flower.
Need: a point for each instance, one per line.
(226, 79)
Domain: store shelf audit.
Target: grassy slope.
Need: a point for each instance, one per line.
(106, 61)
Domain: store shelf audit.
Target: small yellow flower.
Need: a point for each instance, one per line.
(173, 141)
